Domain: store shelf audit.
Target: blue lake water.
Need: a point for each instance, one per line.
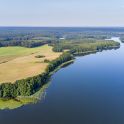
(89, 91)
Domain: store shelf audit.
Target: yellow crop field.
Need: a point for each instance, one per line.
(19, 63)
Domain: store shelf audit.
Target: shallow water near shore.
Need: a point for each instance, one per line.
(89, 91)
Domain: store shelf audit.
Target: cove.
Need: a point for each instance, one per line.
(89, 91)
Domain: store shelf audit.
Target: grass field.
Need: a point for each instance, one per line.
(18, 62)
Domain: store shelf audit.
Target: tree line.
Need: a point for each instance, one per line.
(28, 44)
(29, 86)
(79, 47)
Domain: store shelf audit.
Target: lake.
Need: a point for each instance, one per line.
(89, 91)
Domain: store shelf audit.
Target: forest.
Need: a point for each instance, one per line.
(37, 36)
(70, 42)
(85, 45)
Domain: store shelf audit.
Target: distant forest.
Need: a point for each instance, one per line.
(33, 37)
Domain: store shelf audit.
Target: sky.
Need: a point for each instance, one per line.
(62, 13)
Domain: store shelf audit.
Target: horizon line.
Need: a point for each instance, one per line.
(62, 26)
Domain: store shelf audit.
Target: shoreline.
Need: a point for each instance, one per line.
(64, 64)
(95, 51)
(33, 99)
(72, 61)
(37, 96)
